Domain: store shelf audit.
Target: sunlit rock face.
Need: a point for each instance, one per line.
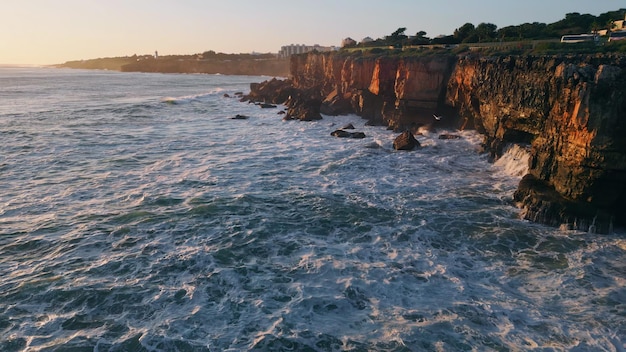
(571, 110)
(395, 91)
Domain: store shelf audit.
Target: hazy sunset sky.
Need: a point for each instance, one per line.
(55, 31)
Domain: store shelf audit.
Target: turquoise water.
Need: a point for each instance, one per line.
(136, 215)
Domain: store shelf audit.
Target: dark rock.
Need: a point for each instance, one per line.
(274, 91)
(226, 95)
(238, 94)
(543, 204)
(304, 104)
(346, 134)
(406, 141)
(336, 104)
(282, 112)
(449, 136)
(267, 106)
(240, 117)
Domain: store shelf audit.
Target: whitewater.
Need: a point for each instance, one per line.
(137, 215)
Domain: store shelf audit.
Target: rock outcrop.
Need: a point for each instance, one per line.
(405, 141)
(571, 110)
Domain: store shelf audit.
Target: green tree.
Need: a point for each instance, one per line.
(420, 39)
(464, 32)
(486, 32)
(396, 38)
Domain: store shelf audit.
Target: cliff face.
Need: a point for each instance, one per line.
(391, 91)
(570, 111)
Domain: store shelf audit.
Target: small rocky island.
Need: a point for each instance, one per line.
(568, 110)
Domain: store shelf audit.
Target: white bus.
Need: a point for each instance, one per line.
(621, 35)
(579, 38)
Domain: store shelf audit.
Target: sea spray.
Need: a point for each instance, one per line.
(514, 160)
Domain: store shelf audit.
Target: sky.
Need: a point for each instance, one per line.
(41, 32)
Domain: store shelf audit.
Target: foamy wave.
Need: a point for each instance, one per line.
(514, 161)
(191, 98)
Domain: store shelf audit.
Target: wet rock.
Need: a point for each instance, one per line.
(274, 91)
(406, 141)
(346, 134)
(449, 136)
(304, 104)
(240, 117)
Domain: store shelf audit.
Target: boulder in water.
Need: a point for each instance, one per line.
(346, 134)
(406, 141)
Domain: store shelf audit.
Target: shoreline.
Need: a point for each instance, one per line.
(553, 104)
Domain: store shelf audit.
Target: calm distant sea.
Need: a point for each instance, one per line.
(136, 215)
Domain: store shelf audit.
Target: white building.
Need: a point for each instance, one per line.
(293, 49)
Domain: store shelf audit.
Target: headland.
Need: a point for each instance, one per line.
(208, 63)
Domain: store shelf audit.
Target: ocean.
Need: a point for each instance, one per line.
(137, 215)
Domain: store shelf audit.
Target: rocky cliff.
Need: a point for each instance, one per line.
(572, 113)
(569, 111)
(387, 90)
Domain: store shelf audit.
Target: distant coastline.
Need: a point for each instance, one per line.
(207, 63)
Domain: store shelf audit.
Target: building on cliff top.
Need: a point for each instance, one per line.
(288, 50)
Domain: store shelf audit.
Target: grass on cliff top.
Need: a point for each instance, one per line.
(530, 48)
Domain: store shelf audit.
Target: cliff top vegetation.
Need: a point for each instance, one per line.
(573, 23)
(526, 38)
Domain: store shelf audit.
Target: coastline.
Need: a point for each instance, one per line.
(565, 109)
(235, 66)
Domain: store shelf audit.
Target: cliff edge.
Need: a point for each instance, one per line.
(570, 111)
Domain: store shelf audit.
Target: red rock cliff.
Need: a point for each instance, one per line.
(571, 111)
(387, 90)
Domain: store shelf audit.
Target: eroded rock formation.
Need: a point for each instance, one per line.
(570, 110)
